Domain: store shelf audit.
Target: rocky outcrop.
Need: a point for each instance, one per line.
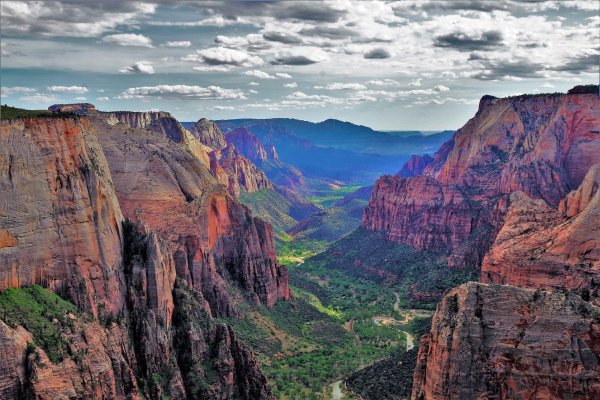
(60, 222)
(502, 342)
(415, 165)
(77, 108)
(236, 172)
(541, 247)
(542, 145)
(250, 146)
(208, 133)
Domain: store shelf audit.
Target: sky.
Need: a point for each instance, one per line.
(390, 65)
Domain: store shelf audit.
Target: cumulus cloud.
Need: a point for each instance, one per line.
(299, 57)
(104, 98)
(178, 44)
(291, 85)
(68, 89)
(441, 88)
(377, 53)
(254, 84)
(283, 75)
(142, 67)
(383, 82)
(283, 37)
(223, 56)
(128, 39)
(183, 92)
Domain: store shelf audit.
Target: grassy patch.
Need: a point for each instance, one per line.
(42, 313)
(8, 112)
(326, 198)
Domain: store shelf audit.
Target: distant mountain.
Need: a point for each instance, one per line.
(334, 149)
(348, 136)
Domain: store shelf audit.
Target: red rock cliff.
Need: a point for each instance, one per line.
(61, 226)
(541, 247)
(542, 145)
(502, 342)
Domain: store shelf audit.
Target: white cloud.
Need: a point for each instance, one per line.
(292, 85)
(258, 74)
(183, 92)
(104, 98)
(178, 44)
(217, 56)
(142, 67)
(81, 98)
(547, 85)
(68, 89)
(342, 86)
(416, 82)
(283, 75)
(253, 84)
(7, 91)
(383, 82)
(441, 88)
(128, 39)
(252, 91)
(40, 98)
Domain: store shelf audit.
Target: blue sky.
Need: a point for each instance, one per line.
(397, 65)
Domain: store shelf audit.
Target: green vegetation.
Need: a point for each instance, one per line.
(8, 112)
(42, 313)
(326, 198)
(283, 210)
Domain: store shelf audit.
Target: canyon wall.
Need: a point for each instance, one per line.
(150, 247)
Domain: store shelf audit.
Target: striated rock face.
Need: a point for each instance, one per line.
(249, 145)
(502, 342)
(542, 145)
(208, 133)
(236, 172)
(60, 222)
(213, 238)
(540, 247)
(61, 225)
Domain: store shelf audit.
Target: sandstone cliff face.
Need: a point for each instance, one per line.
(236, 172)
(208, 133)
(540, 247)
(501, 342)
(60, 223)
(541, 145)
(249, 145)
(415, 165)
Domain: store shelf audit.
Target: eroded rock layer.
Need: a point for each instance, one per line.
(502, 342)
(541, 145)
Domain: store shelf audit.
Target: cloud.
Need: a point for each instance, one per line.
(254, 84)
(7, 91)
(505, 67)
(299, 57)
(342, 86)
(178, 44)
(258, 74)
(283, 37)
(383, 82)
(40, 98)
(441, 88)
(463, 41)
(75, 18)
(291, 85)
(215, 56)
(183, 92)
(264, 75)
(128, 39)
(142, 67)
(81, 98)
(329, 32)
(102, 98)
(377, 54)
(416, 82)
(586, 61)
(68, 89)
(311, 11)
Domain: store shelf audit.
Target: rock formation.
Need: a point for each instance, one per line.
(502, 342)
(415, 165)
(77, 109)
(542, 145)
(541, 247)
(150, 285)
(208, 133)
